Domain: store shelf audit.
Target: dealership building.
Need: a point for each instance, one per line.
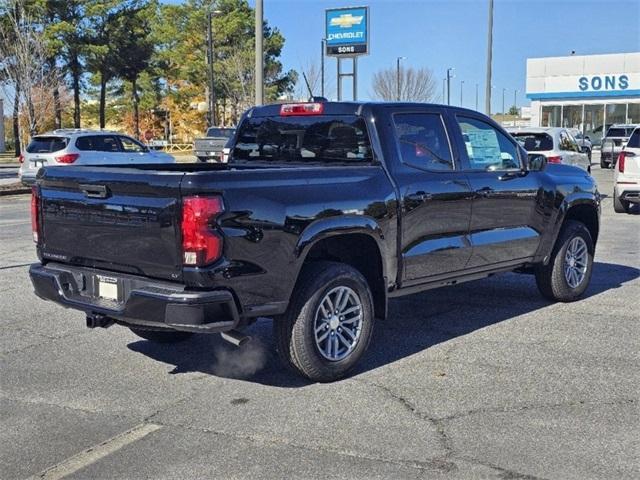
(584, 91)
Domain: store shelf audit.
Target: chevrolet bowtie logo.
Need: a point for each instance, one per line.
(346, 21)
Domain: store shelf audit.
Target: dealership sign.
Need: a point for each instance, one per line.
(347, 31)
(580, 86)
(603, 82)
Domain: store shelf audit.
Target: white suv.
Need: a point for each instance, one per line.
(84, 147)
(626, 176)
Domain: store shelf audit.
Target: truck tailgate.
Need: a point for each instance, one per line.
(120, 219)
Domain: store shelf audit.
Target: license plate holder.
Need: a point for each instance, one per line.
(108, 288)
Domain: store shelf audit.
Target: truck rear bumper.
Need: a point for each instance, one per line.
(140, 301)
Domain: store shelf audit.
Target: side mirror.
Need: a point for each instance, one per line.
(536, 162)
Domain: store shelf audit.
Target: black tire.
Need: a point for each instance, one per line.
(603, 164)
(551, 279)
(589, 169)
(294, 331)
(161, 336)
(620, 206)
(202, 159)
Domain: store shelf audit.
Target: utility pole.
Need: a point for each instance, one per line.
(212, 95)
(515, 101)
(259, 73)
(444, 90)
(476, 97)
(487, 100)
(503, 92)
(398, 89)
(322, 67)
(449, 77)
(461, 88)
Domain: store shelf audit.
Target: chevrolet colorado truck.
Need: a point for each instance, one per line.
(324, 213)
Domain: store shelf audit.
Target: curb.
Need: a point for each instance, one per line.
(19, 190)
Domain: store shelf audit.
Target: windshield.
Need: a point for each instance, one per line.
(305, 139)
(47, 144)
(534, 142)
(619, 131)
(220, 132)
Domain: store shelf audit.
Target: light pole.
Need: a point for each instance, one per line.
(212, 94)
(259, 70)
(449, 77)
(398, 77)
(461, 88)
(476, 97)
(444, 89)
(487, 100)
(322, 67)
(503, 92)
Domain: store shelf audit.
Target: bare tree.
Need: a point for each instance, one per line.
(313, 72)
(24, 62)
(416, 85)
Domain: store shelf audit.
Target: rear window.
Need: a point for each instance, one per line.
(310, 139)
(634, 140)
(220, 132)
(534, 142)
(619, 132)
(47, 144)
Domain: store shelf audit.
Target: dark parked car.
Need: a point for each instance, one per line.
(613, 143)
(324, 213)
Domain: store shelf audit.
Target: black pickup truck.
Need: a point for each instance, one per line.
(324, 212)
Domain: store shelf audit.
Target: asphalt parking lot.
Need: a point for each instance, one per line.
(481, 380)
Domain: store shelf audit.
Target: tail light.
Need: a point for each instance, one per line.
(21, 158)
(621, 159)
(201, 244)
(554, 159)
(35, 209)
(290, 109)
(67, 158)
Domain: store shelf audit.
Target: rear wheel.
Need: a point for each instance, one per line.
(568, 272)
(619, 205)
(328, 324)
(161, 336)
(603, 164)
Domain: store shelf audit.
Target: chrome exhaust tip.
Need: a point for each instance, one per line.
(235, 337)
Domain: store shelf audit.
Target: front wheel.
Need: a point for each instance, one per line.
(161, 336)
(567, 275)
(329, 322)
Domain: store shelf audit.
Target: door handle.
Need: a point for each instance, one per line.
(485, 192)
(419, 197)
(95, 191)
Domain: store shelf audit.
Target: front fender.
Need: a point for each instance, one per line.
(573, 199)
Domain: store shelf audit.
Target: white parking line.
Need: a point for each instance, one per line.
(95, 453)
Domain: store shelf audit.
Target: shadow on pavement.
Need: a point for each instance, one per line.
(415, 323)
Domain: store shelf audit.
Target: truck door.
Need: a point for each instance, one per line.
(505, 221)
(435, 196)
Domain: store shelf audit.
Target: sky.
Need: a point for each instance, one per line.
(438, 34)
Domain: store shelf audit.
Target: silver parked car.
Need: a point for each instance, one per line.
(84, 147)
(584, 142)
(555, 143)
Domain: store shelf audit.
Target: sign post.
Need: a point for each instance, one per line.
(347, 36)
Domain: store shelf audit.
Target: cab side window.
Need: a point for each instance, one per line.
(487, 148)
(423, 141)
(130, 145)
(567, 143)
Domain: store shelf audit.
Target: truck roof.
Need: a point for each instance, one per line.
(343, 108)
